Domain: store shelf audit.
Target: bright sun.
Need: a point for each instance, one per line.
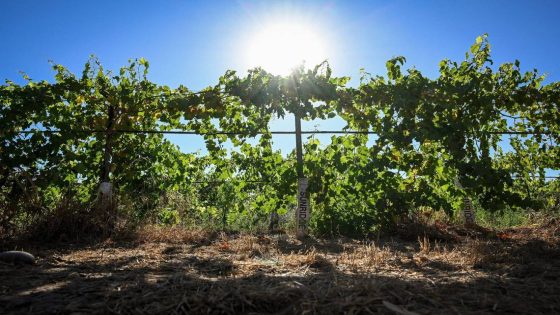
(280, 46)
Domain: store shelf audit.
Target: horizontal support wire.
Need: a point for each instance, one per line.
(272, 182)
(232, 133)
(181, 132)
(231, 180)
(268, 182)
(535, 177)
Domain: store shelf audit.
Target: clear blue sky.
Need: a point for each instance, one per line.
(194, 42)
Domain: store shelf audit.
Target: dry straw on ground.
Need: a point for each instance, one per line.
(161, 271)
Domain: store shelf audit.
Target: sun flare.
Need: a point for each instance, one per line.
(280, 46)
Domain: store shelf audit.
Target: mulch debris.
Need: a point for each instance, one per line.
(445, 271)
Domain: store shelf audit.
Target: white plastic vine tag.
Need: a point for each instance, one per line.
(302, 212)
(457, 183)
(105, 195)
(468, 211)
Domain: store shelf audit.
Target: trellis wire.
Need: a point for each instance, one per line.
(211, 133)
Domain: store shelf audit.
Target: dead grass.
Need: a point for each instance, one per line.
(167, 270)
(171, 235)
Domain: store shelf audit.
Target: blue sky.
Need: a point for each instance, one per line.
(194, 42)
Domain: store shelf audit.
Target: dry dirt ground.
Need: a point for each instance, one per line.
(449, 270)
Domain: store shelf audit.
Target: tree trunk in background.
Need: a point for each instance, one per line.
(105, 203)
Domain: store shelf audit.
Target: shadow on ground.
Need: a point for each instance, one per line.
(305, 277)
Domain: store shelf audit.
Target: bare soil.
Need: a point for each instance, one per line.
(446, 270)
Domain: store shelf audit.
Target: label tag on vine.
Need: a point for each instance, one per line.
(457, 183)
(302, 213)
(105, 195)
(468, 211)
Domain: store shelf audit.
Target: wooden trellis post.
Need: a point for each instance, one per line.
(105, 202)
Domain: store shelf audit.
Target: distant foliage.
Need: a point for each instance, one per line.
(437, 141)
